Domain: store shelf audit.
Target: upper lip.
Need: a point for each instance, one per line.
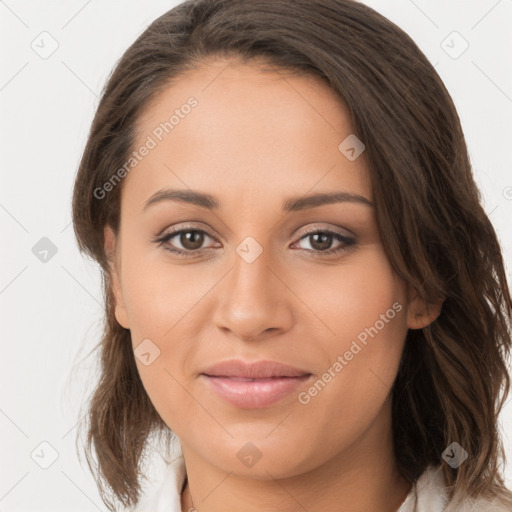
(253, 370)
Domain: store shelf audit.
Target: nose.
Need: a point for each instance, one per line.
(254, 300)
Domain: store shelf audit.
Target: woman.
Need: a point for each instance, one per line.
(304, 296)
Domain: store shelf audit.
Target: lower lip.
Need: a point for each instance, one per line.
(254, 394)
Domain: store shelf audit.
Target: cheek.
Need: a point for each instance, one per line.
(159, 296)
(364, 304)
(354, 297)
(159, 304)
(363, 327)
(165, 314)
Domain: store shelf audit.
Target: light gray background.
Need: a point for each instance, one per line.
(51, 311)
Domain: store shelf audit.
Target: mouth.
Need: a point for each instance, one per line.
(247, 393)
(253, 385)
(253, 370)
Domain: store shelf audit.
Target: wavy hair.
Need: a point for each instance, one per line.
(453, 379)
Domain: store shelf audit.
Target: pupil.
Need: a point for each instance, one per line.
(191, 240)
(324, 241)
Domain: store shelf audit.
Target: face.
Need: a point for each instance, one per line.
(235, 275)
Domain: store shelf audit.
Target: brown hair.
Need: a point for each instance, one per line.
(434, 230)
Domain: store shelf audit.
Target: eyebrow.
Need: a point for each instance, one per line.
(292, 204)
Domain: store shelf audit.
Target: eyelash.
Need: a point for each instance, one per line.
(348, 241)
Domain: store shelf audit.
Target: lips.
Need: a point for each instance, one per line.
(253, 385)
(254, 370)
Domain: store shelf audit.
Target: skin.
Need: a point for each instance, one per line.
(254, 140)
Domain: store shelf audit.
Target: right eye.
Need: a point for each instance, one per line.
(190, 239)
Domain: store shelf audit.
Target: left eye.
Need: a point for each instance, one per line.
(321, 241)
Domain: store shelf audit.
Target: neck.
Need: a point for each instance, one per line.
(360, 478)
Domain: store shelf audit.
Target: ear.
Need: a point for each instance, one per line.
(421, 313)
(110, 251)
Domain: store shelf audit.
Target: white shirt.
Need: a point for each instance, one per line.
(426, 495)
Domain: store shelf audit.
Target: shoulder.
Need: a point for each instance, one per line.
(430, 494)
(163, 492)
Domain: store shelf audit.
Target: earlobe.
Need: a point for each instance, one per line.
(110, 251)
(421, 313)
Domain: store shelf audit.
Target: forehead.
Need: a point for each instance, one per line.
(250, 131)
